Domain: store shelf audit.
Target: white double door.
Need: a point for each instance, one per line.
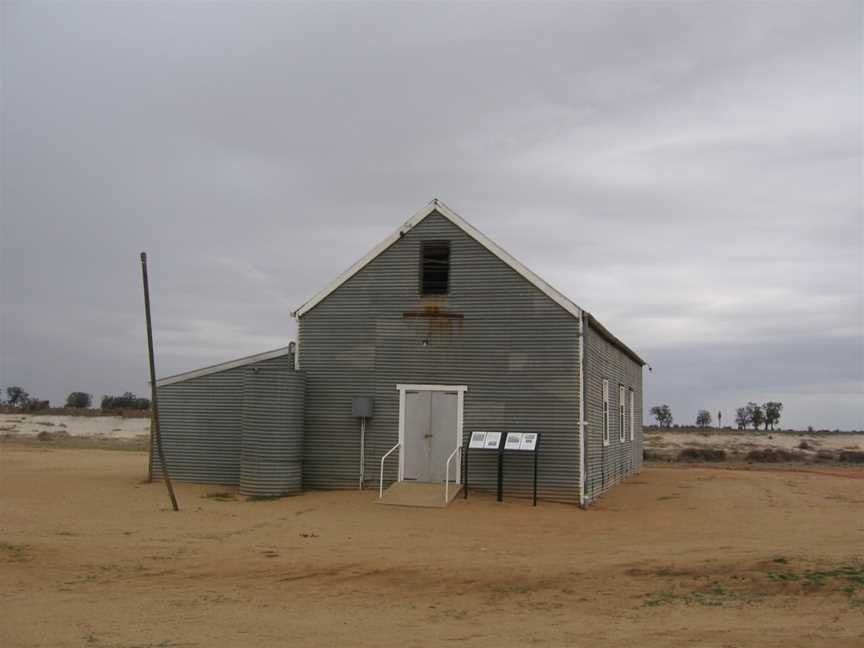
(431, 434)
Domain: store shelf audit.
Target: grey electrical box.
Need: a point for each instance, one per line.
(362, 407)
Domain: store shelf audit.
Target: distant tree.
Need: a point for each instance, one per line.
(757, 414)
(742, 417)
(79, 400)
(663, 415)
(16, 396)
(703, 418)
(772, 413)
(127, 401)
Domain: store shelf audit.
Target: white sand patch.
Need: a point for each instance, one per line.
(746, 441)
(105, 427)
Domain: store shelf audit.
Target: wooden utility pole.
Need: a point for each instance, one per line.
(154, 404)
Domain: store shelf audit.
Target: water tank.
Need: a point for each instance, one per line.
(272, 432)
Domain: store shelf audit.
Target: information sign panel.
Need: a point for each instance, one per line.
(514, 441)
(478, 440)
(493, 440)
(529, 441)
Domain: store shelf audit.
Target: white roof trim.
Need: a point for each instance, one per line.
(224, 366)
(438, 206)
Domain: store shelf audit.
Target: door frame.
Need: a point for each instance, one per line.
(460, 411)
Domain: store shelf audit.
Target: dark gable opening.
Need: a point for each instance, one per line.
(434, 267)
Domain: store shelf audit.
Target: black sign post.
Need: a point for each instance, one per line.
(536, 452)
(500, 491)
(524, 442)
(482, 441)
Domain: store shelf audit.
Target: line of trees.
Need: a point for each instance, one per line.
(752, 414)
(18, 397)
(126, 401)
(758, 415)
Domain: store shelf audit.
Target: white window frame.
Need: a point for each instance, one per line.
(632, 415)
(605, 412)
(622, 415)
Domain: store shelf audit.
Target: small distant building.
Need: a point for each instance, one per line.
(435, 333)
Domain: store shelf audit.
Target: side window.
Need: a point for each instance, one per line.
(622, 420)
(605, 412)
(632, 416)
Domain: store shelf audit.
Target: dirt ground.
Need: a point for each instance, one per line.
(676, 556)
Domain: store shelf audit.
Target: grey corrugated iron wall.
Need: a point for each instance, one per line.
(201, 420)
(605, 466)
(272, 449)
(515, 349)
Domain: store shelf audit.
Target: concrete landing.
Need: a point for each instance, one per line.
(423, 494)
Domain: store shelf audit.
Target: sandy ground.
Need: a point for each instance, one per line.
(740, 443)
(114, 432)
(111, 427)
(677, 556)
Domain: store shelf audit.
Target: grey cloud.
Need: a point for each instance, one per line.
(690, 173)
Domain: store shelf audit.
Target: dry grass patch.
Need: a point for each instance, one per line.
(776, 578)
(14, 552)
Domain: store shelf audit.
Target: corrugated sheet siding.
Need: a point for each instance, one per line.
(515, 349)
(201, 424)
(608, 465)
(272, 449)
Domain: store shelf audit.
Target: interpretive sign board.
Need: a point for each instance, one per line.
(523, 442)
(485, 440)
(513, 441)
(526, 441)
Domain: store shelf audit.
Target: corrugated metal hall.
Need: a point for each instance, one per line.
(437, 332)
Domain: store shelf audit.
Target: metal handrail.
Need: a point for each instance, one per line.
(381, 478)
(447, 476)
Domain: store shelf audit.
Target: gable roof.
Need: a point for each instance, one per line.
(435, 206)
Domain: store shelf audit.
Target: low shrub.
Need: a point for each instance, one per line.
(851, 456)
(772, 455)
(52, 436)
(655, 455)
(702, 454)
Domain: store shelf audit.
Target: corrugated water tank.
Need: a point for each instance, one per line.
(272, 422)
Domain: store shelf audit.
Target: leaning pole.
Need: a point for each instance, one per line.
(154, 404)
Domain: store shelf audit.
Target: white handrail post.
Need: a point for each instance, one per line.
(447, 476)
(381, 475)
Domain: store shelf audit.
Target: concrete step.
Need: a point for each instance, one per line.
(423, 494)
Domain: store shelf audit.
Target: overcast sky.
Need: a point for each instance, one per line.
(691, 173)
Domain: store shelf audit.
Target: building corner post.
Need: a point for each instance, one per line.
(582, 422)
